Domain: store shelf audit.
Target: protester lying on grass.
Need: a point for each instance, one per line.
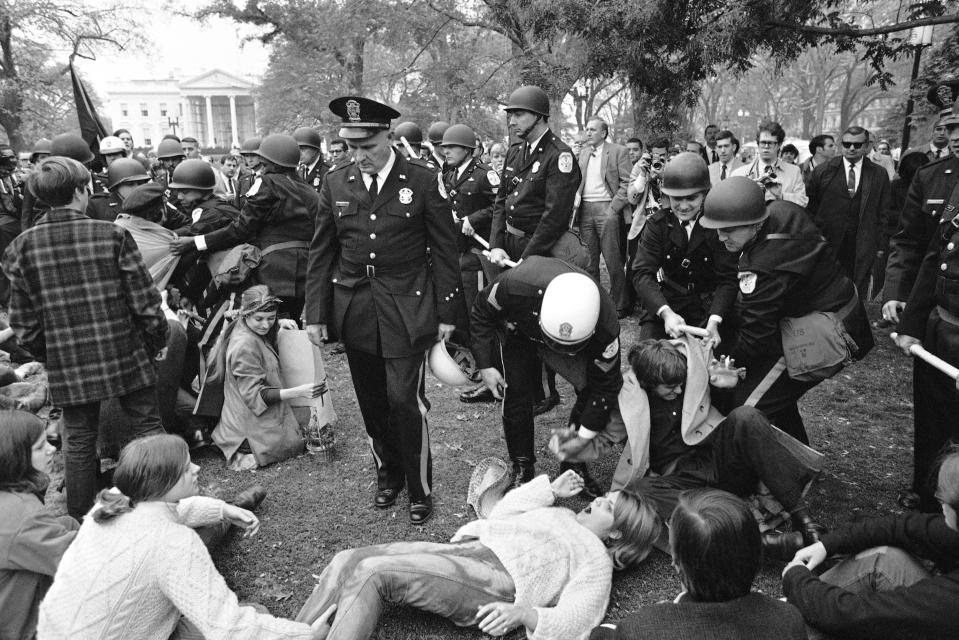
(31, 540)
(882, 590)
(134, 571)
(528, 564)
(717, 553)
(257, 426)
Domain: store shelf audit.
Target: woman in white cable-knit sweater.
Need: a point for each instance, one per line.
(133, 571)
(528, 564)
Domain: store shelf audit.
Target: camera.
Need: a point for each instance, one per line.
(767, 180)
(658, 165)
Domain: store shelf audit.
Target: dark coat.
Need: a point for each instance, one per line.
(314, 178)
(925, 201)
(828, 202)
(537, 202)
(279, 208)
(937, 283)
(368, 260)
(698, 274)
(471, 196)
(83, 300)
(192, 275)
(787, 271)
(104, 206)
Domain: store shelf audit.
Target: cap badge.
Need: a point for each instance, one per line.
(565, 330)
(353, 110)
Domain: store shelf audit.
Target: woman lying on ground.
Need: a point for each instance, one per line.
(528, 564)
(134, 571)
(882, 590)
(31, 540)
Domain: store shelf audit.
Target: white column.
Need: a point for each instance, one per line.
(236, 137)
(209, 121)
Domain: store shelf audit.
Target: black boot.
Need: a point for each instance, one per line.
(811, 530)
(782, 545)
(523, 471)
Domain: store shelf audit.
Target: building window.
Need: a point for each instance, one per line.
(144, 111)
(162, 109)
(123, 109)
(147, 142)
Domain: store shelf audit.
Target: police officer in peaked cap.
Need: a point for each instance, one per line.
(370, 277)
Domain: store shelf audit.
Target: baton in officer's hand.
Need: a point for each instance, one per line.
(476, 237)
(507, 262)
(694, 331)
(409, 149)
(920, 352)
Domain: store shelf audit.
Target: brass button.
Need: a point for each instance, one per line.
(943, 266)
(372, 216)
(372, 236)
(372, 255)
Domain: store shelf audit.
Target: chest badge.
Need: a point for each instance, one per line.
(493, 178)
(535, 166)
(565, 162)
(747, 282)
(406, 195)
(316, 182)
(197, 213)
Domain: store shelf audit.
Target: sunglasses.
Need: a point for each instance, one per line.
(852, 145)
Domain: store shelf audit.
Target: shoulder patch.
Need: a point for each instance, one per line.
(491, 298)
(254, 187)
(611, 349)
(196, 214)
(440, 186)
(747, 282)
(565, 162)
(492, 177)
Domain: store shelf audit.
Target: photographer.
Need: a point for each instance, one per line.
(643, 191)
(779, 179)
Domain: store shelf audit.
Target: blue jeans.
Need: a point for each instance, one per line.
(871, 571)
(451, 580)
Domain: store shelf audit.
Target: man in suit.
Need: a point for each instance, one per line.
(712, 135)
(602, 193)
(371, 278)
(227, 179)
(779, 180)
(848, 198)
(727, 153)
(311, 168)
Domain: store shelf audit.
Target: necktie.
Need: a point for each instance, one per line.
(374, 190)
(722, 174)
(230, 189)
(851, 180)
(302, 171)
(938, 153)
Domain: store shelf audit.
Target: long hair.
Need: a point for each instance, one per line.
(19, 430)
(715, 545)
(947, 490)
(657, 362)
(639, 526)
(147, 469)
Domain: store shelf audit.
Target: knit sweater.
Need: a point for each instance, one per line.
(927, 610)
(559, 567)
(135, 575)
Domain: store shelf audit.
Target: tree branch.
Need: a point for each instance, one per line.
(855, 32)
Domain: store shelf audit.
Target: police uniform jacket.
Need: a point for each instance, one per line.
(373, 253)
(937, 283)
(694, 275)
(536, 195)
(192, 275)
(471, 196)
(787, 271)
(516, 297)
(104, 206)
(279, 209)
(314, 176)
(926, 199)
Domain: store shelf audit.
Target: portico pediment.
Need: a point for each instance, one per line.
(216, 81)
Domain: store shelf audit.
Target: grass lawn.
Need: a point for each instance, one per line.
(861, 420)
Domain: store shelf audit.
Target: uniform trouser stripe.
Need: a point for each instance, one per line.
(764, 385)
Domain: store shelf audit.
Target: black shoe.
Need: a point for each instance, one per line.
(250, 498)
(546, 404)
(907, 499)
(386, 497)
(782, 545)
(523, 471)
(421, 510)
(591, 488)
(338, 349)
(477, 394)
(811, 530)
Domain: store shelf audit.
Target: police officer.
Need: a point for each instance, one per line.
(539, 182)
(311, 168)
(111, 150)
(547, 309)
(123, 176)
(786, 270)
(371, 279)
(931, 317)
(250, 170)
(470, 187)
(682, 272)
(408, 136)
(277, 216)
(41, 150)
(436, 160)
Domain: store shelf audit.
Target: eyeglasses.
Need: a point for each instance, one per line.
(847, 144)
(767, 143)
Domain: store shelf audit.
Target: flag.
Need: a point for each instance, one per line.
(91, 129)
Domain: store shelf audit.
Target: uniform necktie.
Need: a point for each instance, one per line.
(302, 171)
(938, 153)
(851, 180)
(374, 190)
(722, 174)
(688, 228)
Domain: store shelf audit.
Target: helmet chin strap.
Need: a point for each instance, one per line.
(530, 128)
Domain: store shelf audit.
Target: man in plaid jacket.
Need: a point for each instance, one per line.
(83, 301)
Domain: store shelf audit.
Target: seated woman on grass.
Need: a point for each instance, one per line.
(529, 564)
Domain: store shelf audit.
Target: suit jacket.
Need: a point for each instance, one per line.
(370, 277)
(614, 168)
(716, 169)
(225, 194)
(83, 300)
(537, 195)
(829, 200)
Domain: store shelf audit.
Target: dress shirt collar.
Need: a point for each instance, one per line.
(382, 174)
(535, 143)
(598, 151)
(945, 150)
